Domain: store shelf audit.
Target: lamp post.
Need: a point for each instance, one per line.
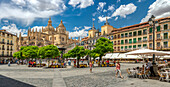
(153, 23)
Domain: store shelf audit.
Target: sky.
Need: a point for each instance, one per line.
(78, 15)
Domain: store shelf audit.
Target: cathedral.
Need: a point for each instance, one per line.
(47, 36)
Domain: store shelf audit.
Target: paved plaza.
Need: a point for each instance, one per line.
(23, 76)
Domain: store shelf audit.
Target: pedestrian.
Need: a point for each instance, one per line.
(91, 65)
(117, 69)
(9, 63)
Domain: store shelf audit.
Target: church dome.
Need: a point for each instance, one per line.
(61, 24)
(49, 27)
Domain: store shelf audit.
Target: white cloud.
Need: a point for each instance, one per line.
(80, 33)
(124, 10)
(104, 10)
(81, 3)
(14, 30)
(118, 1)
(160, 8)
(116, 18)
(111, 8)
(76, 28)
(139, 0)
(100, 6)
(101, 18)
(27, 10)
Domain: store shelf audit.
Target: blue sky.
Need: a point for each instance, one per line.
(18, 15)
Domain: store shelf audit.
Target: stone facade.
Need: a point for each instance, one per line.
(49, 35)
(7, 44)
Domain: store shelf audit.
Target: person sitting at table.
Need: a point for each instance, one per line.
(107, 62)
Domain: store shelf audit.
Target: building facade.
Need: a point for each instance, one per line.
(7, 44)
(133, 37)
(141, 36)
(49, 35)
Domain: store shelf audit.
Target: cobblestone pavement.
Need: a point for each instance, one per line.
(23, 76)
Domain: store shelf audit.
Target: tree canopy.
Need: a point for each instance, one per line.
(103, 45)
(49, 51)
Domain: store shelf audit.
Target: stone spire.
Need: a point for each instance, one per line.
(107, 23)
(93, 26)
(49, 22)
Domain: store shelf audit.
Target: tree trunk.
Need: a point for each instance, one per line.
(78, 62)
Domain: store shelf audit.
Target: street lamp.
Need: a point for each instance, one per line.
(153, 23)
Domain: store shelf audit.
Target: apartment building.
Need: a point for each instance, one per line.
(8, 44)
(141, 36)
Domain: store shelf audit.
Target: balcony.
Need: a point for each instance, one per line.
(144, 33)
(140, 41)
(8, 43)
(145, 40)
(2, 42)
(3, 48)
(130, 35)
(126, 35)
(6, 55)
(11, 44)
(7, 48)
(11, 49)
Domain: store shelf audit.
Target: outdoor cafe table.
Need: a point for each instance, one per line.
(167, 74)
(134, 72)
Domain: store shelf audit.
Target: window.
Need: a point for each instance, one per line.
(130, 47)
(139, 32)
(55, 38)
(134, 40)
(130, 34)
(145, 31)
(139, 46)
(158, 44)
(2, 40)
(165, 26)
(150, 37)
(115, 43)
(144, 45)
(50, 38)
(126, 34)
(165, 35)
(158, 28)
(121, 47)
(104, 33)
(122, 35)
(134, 33)
(7, 41)
(7, 47)
(126, 41)
(150, 45)
(130, 41)
(112, 37)
(62, 39)
(122, 41)
(7, 53)
(11, 41)
(166, 44)
(139, 39)
(158, 36)
(134, 46)
(125, 47)
(144, 38)
(11, 53)
(2, 53)
(150, 30)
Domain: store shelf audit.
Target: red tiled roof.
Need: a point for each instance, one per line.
(132, 27)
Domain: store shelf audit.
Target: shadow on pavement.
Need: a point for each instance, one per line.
(9, 82)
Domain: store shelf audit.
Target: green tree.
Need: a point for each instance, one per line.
(49, 51)
(30, 51)
(77, 52)
(103, 45)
